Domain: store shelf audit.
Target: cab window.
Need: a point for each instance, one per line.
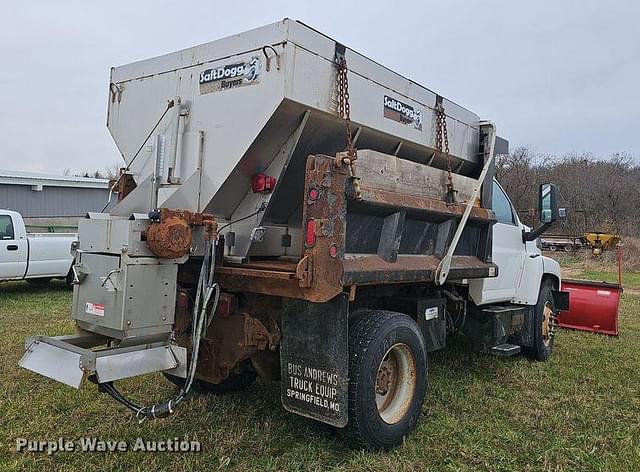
(6, 228)
(502, 205)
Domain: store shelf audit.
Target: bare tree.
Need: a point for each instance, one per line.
(600, 194)
(108, 172)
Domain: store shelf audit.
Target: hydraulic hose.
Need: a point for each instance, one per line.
(203, 313)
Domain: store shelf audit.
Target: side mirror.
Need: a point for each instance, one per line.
(549, 211)
(548, 203)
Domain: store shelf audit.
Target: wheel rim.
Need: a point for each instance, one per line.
(395, 383)
(547, 324)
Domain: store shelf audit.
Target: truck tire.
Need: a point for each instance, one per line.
(387, 379)
(542, 325)
(68, 280)
(232, 384)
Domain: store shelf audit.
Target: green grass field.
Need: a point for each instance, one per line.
(579, 411)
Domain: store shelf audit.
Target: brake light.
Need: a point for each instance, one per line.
(310, 237)
(261, 183)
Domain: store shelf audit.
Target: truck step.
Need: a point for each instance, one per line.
(499, 309)
(505, 350)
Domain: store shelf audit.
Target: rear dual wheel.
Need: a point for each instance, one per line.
(387, 379)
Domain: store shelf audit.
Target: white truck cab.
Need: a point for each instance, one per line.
(32, 256)
(521, 265)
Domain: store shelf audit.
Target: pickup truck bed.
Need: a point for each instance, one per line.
(32, 255)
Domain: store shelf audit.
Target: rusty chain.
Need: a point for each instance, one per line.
(442, 144)
(344, 110)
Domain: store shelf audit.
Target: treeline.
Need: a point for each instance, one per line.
(108, 172)
(599, 194)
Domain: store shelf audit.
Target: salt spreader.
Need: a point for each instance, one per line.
(293, 210)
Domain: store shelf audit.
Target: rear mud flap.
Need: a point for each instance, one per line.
(314, 359)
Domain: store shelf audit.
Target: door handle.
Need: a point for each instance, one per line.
(12, 247)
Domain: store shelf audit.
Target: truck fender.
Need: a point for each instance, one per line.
(535, 268)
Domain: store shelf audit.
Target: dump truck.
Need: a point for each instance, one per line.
(292, 210)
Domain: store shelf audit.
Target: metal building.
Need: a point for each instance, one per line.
(47, 200)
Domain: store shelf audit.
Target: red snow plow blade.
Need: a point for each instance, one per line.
(593, 306)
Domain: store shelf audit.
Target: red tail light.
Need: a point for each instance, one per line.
(261, 183)
(310, 237)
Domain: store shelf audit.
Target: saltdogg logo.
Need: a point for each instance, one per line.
(401, 112)
(230, 76)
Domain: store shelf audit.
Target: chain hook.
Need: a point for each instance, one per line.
(344, 110)
(442, 144)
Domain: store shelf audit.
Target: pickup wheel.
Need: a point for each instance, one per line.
(387, 379)
(543, 325)
(69, 278)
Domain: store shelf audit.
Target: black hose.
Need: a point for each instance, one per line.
(159, 410)
(200, 322)
(263, 207)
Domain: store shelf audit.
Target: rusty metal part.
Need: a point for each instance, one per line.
(317, 276)
(426, 204)
(369, 269)
(547, 323)
(442, 144)
(227, 304)
(229, 340)
(170, 238)
(323, 270)
(320, 269)
(267, 364)
(395, 383)
(125, 184)
(190, 217)
(344, 108)
(384, 377)
(343, 158)
(170, 235)
(260, 281)
(352, 293)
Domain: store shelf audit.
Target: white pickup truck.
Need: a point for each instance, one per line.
(36, 257)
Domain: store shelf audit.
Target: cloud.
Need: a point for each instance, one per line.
(557, 75)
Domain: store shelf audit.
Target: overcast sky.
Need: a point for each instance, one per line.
(559, 76)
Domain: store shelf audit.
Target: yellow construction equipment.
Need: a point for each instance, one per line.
(598, 241)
